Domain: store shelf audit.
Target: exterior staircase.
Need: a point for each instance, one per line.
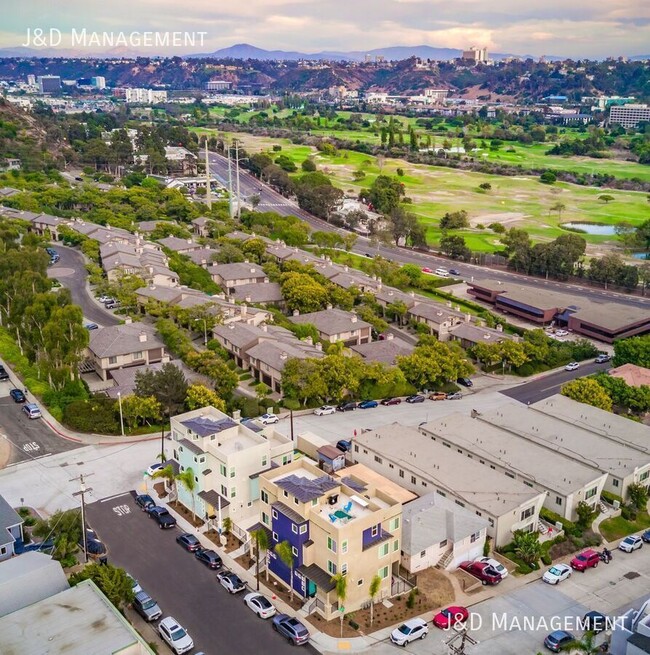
(443, 562)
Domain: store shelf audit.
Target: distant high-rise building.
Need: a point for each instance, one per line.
(218, 85)
(49, 83)
(629, 115)
(98, 82)
(31, 80)
(145, 96)
(476, 55)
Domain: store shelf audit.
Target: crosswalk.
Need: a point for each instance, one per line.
(275, 204)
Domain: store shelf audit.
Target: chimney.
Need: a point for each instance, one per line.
(244, 310)
(231, 300)
(329, 306)
(309, 340)
(457, 308)
(468, 318)
(449, 303)
(266, 280)
(142, 337)
(319, 347)
(379, 280)
(265, 327)
(390, 336)
(499, 328)
(345, 268)
(189, 241)
(353, 318)
(247, 299)
(283, 355)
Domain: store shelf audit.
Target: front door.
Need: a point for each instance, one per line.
(311, 589)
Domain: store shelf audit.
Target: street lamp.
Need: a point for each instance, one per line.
(205, 329)
(119, 400)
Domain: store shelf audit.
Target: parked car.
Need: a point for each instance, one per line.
(426, 269)
(94, 546)
(496, 565)
(454, 271)
(631, 543)
(188, 541)
(162, 517)
(451, 616)
(146, 606)
(290, 628)
(409, 631)
(112, 304)
(50, 251)
(587, 559)
(135, 585)
(17, 395)
(347, 406)
(154, 468)
(391, 401)
(175, 635)
(457, 395)
(231, 582)
(416, 398)
(595, 621)
(557, 573)
(344, 445)
(572, 366)
(442, 272)
(91, 326)
(105, 298)
(561, 333)
(325, 410)
(144, 502)
(646, 536)
(32, 410)
(209, 558)
(368, 404)
(602, 358)
(438, 395)
(484, 572)
(466, 382)
(557, 640)
(3, 373)
(261, 605)
(268, 419)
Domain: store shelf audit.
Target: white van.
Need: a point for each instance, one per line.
(442, 272)
(32, 410)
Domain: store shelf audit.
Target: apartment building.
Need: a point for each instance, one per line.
(229, 276)
(346, 526)
(564, 482)
(439, 318)
(423, 465)
(335, 325)
(226, 458)
(629, 115)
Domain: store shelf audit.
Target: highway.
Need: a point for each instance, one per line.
(270, 200)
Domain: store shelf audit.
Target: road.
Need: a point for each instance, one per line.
(71, 272)
(28, 438)
(270, 200)
(183, 587)
(551, 384)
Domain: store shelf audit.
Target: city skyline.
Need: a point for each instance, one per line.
(581, 30)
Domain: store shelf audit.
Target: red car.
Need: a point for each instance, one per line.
(585, 560)
(450, 617)
(391, 401)
(483, 571)
(427, 270)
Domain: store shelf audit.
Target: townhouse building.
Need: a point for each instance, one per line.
(335, 325)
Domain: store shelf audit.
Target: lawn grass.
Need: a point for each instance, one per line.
(618, 527)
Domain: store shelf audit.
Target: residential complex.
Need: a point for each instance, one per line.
(629, 115)
(335, 325)
(11, 530)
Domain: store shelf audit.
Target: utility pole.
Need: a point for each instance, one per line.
(230, 206)
(464, 637)
(208, 188)
(237, 170)
(291, 419)
(82, 492)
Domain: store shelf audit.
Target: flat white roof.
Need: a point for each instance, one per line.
(461, 476)
(517, 454)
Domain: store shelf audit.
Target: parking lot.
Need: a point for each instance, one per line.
(184, 588)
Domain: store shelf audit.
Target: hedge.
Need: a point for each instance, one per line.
(610, 497)
(553, 518)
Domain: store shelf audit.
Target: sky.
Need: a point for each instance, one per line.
(571, 28)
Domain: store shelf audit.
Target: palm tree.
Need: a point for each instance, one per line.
(375, 585)
(167, 473)
(527, 546)
(186, 478)
(285, 553)
(341, 583)
(261, 543)
(586, 645)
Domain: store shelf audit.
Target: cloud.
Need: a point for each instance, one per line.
(580, 28)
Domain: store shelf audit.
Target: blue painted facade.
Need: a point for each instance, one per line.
(283, 527)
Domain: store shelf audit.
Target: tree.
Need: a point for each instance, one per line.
(588, 391)
(433, 363)
(385, 193)
(308, 165)
(262, 391)
(301, 381)
(586, 645)
(518, 248)
(286, 163)
(375, 586)
(405, 225)
(113, 582)
(548, 178)
(168, 386)
(341, 582)
(527, 546)
(261, 538)
(454, 220)
(285, 553)
(198, 395)
(453, 246)
(64, 529)
(139, 410)
(586, 514)
(635, 350)
(558, 207)
(638, 495)
(303, 293)
(169, 476)
(606, 198)
(187, 482)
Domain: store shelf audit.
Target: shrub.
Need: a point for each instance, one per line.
(353, 624)
(610, 497)
(96, 414)
(546, 559)
(548, 178)
(553, 518)
(410, 601)
(486, 546)
(629, 512)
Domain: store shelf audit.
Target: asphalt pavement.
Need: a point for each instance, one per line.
(217, 621)
(549, 385)
(71, 272)
(270, 200)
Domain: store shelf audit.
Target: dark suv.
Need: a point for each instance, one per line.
(346, 406)
(162, 517)
(3, 373)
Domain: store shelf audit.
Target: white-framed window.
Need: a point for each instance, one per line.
(443, 543)
(264, 496)
(224, 491)
(232, 472)
(294, 551)
(274, 513)
(331, 567)
(423, 553)
(285, 493)
(137, 355)
(528, 512)
(233, 492)
(474, 537)
(394, 524)
(374, 531)
(383, 572)
(296, 501)
(592, 492)
(383, 549)
(344, 569)
(265, 518)
(264, 461)
(615, 483)
(294, 528)
(395, 545)
(222, 469)
(112, 360)
(331, 544)
(303, 529)
(558, 500)
(344, 547)
(275, 536)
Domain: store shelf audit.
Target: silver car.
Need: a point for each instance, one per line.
(146, 606)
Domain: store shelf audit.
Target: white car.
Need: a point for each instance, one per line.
(175, 635)
(154, 468)
(631, 543)
(261, 605)
(231, 582)
(561, 333)
(442, 272)
(324, 410)
(104, 298)
(268, 419)
(496, 565)
(409, 631)
(135, 584)
(557, 573)
(572, 366)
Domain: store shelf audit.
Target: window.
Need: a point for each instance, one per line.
(478, 513)
(265, 518)
(510, 475)
(394, 524)
(474, 537)
(233, 492)
(275, 536)
(196, 479)
(527, 513)
(274, 514)
(424, 484)
(137, 355)
(314, 502)
(383, 573)
(264, 496)
(331, 567)
(232, 472)
(344, 546)
(482, 461)
(591, 493)
(224, 491)
(112, 360)
(395, 545)
(374, 531)
(615, 483)
(303, 529)
(331, 544)
(401, 473)
(294, 528)
(558, 500)
(458, 502)
(202, 460)
(265, 461)
(296, 501)
(442, 493)
(359, 582)
(344, 569)
(423, 554)
(442, 544)
(494, 468)
(491, 522)
(378, 459)
(356, 448)
(390, 466)
(528, 484)
(285, 493)
(222, 470)
(383, 550)
(294, 551)
(644, 476)
(286, 459)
